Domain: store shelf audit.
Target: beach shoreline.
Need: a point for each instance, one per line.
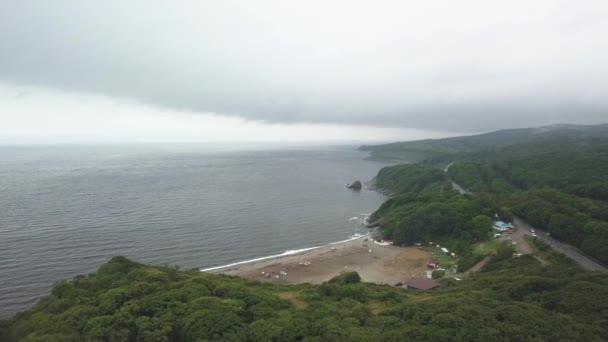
(375, 262)
(382, 264)
(252, 262)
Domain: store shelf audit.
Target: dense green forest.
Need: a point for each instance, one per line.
(448, 218)
(413, 217)
(583, 173)
(513, 299)
(424, 208)
(555, 178)
(581, 222)
(410, 177)
(505, 143)
(563, 192)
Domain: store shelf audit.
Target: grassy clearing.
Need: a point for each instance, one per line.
(480, 250)
(445, 260)
(486, 248)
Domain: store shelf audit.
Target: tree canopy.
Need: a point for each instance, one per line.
(514, 299)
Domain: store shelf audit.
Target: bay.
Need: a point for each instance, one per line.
(66, 210)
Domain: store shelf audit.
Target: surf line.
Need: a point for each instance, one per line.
(286, 253)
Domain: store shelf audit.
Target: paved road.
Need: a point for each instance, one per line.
(454, 185)
(569, 251)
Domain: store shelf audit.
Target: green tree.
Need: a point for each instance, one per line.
(483, 226)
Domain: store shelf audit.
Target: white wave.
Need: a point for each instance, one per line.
(286, 253)
(354, 218)
(350, 239)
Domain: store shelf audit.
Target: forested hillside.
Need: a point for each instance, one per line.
(554, 177)
(424, 208)
(506, 143)
(582, 172)
(413, 217)
(562, 192)
(578, 221)
(410, 177)
(446, 217)
(515, 299)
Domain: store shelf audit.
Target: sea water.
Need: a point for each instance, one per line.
(66, 210)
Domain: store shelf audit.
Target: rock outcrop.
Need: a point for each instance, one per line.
(356, 185)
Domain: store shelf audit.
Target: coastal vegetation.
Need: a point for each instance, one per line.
(512, 299)
(582, 173)
(578, 221)
(424, 209)
(563, 193)
(411, 178)
(555, 178)
(502, 143)
(411, 217)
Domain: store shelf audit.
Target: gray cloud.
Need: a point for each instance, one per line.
(465, 66)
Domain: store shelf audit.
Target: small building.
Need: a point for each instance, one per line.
(422, 284)
(503, 226)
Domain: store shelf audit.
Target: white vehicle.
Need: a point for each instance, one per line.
(533, 234)
(532, 230)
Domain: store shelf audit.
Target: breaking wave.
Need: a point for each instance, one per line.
(286, 253)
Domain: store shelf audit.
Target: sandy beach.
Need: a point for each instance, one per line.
(383, 265)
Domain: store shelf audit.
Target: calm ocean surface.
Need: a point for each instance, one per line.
(65, 210)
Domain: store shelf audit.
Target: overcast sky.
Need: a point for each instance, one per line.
(297, 70)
